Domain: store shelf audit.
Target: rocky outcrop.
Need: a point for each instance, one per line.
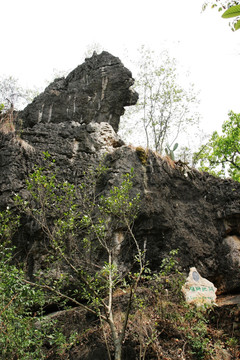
(95, 91)
(73, 119)
(76, 120)
(186, 210)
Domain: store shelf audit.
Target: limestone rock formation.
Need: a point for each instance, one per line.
(75, 120)
(186, 210)
(95, 91)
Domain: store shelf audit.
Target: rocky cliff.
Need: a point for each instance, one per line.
(76, 120)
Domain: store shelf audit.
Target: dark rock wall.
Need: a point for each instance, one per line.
(182, 208)
(95, 91)
(75, 120)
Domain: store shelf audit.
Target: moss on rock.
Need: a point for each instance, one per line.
(142, 155)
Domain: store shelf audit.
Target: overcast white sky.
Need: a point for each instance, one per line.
(38, 36)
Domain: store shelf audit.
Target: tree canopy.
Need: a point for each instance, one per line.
(221, 155)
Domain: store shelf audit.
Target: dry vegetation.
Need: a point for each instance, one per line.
(144, 153)
(161, 327)
(8, 126)
(7, 123)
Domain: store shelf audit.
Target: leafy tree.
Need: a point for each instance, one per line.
(20, 337)
(79, 223)
(221, 155)
(164, 107)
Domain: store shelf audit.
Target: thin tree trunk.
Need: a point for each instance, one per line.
(118, 351)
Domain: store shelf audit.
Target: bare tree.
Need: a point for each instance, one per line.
(12, 95)
(165, 108)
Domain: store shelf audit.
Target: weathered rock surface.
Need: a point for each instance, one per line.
(95, 91)
(75, 120)
(188, 210)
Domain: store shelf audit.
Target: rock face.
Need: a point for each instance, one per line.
(186, 210)
(76, 120)
(95, 91)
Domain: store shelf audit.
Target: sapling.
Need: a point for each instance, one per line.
(78, 223)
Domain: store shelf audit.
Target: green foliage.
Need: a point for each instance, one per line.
(232, 342)
(119, 203)
(68, 213)
(20, 337)
(232, 9)
(157, 308)
(220, 5)
(169, 277)
(60, 208)
(170, 152)
(170, 263)
(79, 223)
(24, 331)
(148, 322)
(8, 225)
(231, 12)
(221, 155)
(161, 316)
(196, 331)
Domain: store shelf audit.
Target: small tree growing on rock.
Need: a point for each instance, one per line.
(78, 222)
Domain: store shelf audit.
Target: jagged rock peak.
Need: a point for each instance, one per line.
(96, 91)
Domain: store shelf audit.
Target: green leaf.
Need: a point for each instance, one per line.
(175, 146)
(231, 12)
(237, 25)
